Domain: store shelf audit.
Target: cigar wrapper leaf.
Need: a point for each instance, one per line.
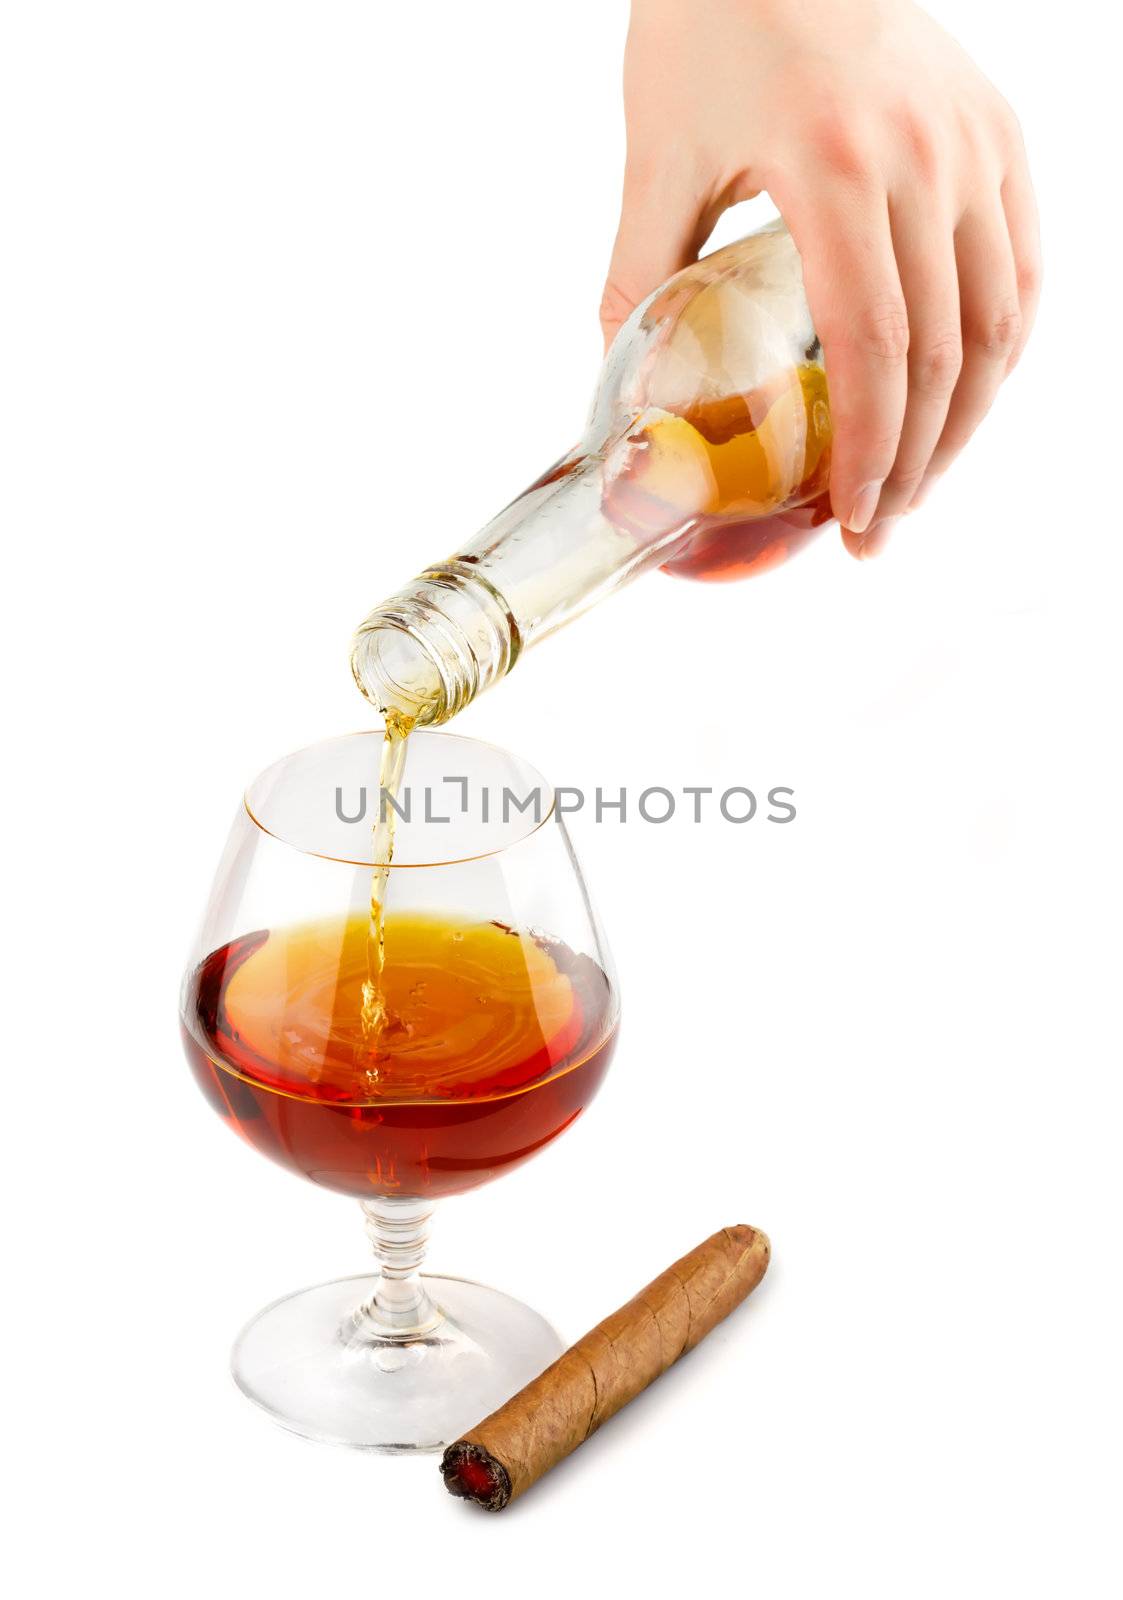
(499, 1459)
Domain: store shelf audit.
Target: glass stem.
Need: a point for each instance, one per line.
(398, 1230)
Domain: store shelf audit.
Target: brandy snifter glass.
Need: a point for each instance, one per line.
(497, 1017)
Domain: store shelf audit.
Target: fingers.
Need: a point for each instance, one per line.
(857, 305)
(999, 256)
(992, 329)
(661, 230)
(1020, 210)
(926, 263)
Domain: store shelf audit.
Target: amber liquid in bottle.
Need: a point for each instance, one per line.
(719, 470)
(494, 1043)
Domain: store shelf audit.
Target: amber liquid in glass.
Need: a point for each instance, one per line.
(495, 1042)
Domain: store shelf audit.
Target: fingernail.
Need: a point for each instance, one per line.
(864, 507)
(877, 538)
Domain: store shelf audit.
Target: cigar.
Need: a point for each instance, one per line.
(499, 1459)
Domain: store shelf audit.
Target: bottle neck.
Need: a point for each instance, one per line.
(459, 627)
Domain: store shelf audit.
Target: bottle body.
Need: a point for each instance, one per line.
(707, 452)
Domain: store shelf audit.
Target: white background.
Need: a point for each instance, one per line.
(294, 296)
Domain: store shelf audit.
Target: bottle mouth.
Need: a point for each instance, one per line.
(397, 669)
(434, 646)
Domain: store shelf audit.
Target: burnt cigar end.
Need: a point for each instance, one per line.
(472, 1473)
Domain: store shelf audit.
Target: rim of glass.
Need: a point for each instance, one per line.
(427, 734)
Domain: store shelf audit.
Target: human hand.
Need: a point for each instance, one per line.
(901, 174)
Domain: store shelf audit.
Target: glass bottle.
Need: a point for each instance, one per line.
(707, 453)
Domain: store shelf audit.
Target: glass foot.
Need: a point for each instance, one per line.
(321, 1363)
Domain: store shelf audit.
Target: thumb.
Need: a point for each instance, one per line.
(660, 231)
